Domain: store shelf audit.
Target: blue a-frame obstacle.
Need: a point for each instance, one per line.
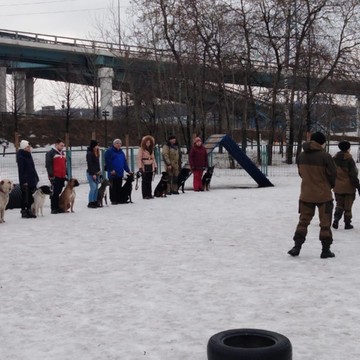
(234, 150)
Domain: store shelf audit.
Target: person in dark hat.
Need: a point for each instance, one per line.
(346, 184)
(318, 174)
(172, 158)
(93, 172)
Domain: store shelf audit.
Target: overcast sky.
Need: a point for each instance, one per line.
(72, 18)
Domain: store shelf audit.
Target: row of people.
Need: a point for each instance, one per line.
(115, 166)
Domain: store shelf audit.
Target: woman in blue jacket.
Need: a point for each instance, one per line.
(115, 165)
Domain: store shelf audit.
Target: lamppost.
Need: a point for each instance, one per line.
(105, 114)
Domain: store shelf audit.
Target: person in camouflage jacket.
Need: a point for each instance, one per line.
(318, 174)
(346, 184)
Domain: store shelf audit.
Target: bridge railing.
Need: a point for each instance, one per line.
(125, 50)
(119, 49)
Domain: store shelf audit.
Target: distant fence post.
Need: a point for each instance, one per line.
(264, 159)
(102, 156)
(158, 158)
(132, 160)
(68, 164)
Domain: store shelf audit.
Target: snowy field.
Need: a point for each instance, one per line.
(157, 278)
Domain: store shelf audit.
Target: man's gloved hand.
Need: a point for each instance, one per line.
(358, 189)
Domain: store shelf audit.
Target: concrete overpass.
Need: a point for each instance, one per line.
(111, 67)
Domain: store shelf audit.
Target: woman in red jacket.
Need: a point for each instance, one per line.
(198, 160)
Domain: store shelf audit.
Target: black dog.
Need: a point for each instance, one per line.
(15, 198)
(183, 176)
(207, 178)
(161, 188)
(126, 189)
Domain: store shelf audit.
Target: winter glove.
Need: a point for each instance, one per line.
(358, 189)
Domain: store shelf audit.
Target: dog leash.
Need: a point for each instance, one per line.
(138, 175)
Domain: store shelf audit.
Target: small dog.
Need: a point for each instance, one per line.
(126, 189)
(102, 193)
(183, 176)
(206, 179)
(39, 196)
(161, 188)
(67, 197)
(6, 187)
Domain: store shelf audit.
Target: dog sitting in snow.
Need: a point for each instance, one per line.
(39, 196)
(206, 179)
(126, 190)
(161, 187)
(6, 187)
(67, 197)
(185, 173)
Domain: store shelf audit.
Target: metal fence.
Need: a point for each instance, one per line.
(224, 165)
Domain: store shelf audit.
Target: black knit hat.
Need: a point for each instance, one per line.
(344, 145)
(93, 143)
(171, 137)
(319, 137)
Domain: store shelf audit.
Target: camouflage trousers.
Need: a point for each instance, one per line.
(307, 212)
(344, 204)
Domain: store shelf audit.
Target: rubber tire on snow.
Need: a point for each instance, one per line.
(249, 344)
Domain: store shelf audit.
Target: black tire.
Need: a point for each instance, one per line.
(249, 344)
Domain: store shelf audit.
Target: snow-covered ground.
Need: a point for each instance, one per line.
(157, 278)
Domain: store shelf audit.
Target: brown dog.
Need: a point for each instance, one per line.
(6, 186)
(67, 197)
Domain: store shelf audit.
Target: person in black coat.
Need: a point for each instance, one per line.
(93, 172)
(28, 178)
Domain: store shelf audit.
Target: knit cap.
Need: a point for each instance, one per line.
(344, 145)
(24, 144)
(197, 139)
(319, 137)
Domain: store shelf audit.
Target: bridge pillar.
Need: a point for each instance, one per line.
(2, 89)
(106, 76)
(19, 91)
(29, 95)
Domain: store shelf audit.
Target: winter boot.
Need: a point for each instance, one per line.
(295, 251)
(24, 214)
(326, 253)
(348, 226)
(92, 205)
(31, 214)
(335, 224)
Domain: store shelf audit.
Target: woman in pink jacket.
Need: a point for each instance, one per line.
(147, 165)
(198, 160)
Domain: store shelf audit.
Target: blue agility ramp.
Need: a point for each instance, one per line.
(239, 155)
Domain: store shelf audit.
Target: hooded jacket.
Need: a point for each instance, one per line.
(55, 162)
(26, 169)
(198, 157)
(172, 155)
(115, 160)
(347, 173)
(145, 155)
(318, 173)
